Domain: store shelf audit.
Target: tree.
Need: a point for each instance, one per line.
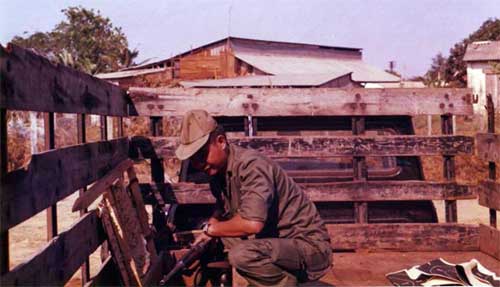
(86, 41)
(453, 70)
(435, 76)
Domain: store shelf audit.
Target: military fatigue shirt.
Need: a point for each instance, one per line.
(258, 189)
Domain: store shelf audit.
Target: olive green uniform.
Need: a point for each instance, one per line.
(293, 245)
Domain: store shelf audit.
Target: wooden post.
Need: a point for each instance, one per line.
(50, 143)
(4, 236)
(104, 137)
(360, 171)
(250, 127)
(449, 168)
(82, 138)
(429, 125)
(157, 171)
(120, 127)
(156, 126)
(492, 168)
(104, 128)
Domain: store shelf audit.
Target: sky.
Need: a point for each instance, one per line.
(408, 32)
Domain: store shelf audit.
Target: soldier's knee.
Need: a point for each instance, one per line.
(239, 256)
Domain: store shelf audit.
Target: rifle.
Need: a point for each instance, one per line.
(194, 253)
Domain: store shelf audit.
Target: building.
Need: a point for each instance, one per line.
(483, 72)
(239, 62)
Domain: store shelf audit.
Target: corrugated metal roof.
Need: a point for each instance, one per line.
(126, 74)
(291, 80)
(482, 51)
(233, 40)
(299, 62)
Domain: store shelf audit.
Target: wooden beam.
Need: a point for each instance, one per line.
(31, 82)
(488, 147)
(4, 234)
(50, 144)
(53, 175)
(301, 102)
(190, 193)
(405, 237)
(489, 194)
(62, 256)
(86, 199)
(489, 240)
(321, 146)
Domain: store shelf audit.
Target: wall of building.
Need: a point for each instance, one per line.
(493, 88)
(476, 80)
(148, 80)
(483, 82)
(212, 62)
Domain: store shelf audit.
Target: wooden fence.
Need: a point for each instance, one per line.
(360, 105)
(31, 83)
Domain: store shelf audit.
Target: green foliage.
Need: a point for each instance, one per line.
(452, 71)
(85, 40)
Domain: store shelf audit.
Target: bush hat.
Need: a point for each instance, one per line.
(195, 131)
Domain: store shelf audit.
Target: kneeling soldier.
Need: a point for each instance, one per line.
(273, 232)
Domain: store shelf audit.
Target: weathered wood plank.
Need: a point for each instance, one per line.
(120, 252)
(489, 194)
(190, 193)
(405, 237)
(32, 82)
(488, 147)
(86, 199)
(53, 175)
(302, 102)
(107, 275)
(322, 146)
(489, 240)
(62, 256)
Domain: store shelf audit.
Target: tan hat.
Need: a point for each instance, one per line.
(195, 131)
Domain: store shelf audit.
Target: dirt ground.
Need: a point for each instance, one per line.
(30, 236)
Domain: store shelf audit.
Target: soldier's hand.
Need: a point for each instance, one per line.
(202, 237)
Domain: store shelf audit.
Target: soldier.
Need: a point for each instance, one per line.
(273, 232)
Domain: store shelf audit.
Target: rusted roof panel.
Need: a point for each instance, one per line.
(289, 80)
(127, 74)
(483, 51)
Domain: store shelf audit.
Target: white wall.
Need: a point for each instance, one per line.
(476, 79)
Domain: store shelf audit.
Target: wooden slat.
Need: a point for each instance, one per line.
(63, 255)
(316, 146)
(121, 255)
(107, 275)
(489, 194)
(489, 240)
(190, 193)
(301, 102)
(405, 237)
(31, 82)
(53, 175)
(488, 147)
(4, 235)
(86, 199)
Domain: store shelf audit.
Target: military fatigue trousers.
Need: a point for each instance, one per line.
(277, 261)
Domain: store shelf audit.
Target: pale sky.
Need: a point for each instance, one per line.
(408, 32)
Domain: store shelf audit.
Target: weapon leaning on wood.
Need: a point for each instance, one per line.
(194, 253)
